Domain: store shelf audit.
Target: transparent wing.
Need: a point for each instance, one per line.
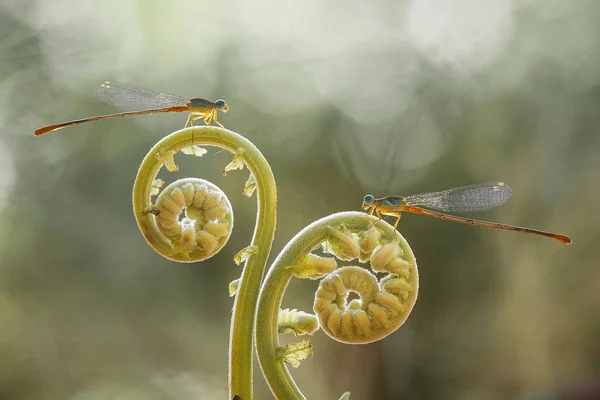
(135, 98)
(478, 197)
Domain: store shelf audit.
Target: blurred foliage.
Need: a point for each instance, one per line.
(343, 98)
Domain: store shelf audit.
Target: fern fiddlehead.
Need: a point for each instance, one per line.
(383, 306)
(207, 224)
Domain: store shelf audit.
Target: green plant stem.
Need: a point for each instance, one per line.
(244, 307)
(267, 339)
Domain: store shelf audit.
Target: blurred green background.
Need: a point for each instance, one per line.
(343, 98)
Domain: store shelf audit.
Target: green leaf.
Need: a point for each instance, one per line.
(194, 150)
(294, 353)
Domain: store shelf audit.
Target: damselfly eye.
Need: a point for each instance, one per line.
(220, 104)
(369, 199)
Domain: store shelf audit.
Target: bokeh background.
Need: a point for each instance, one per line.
(343, 98)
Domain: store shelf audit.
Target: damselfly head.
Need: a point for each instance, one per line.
(368, 201)
(221, 105)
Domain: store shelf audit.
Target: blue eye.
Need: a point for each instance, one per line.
(220, 103)
(369, 199)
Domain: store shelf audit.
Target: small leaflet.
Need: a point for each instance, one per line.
(286, 322)
(296, 322)
(312, 267)
(168, 159)
(342, 243)
(151, 210)
(249, 186)
(233, 287)
(294, 353)
(236, 163)
(345, 396)
(194, 150)
(245, 254)
(157, 184)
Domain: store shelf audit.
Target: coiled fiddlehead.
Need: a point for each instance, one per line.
(207, 225)
(208, 218)
(383, 306)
